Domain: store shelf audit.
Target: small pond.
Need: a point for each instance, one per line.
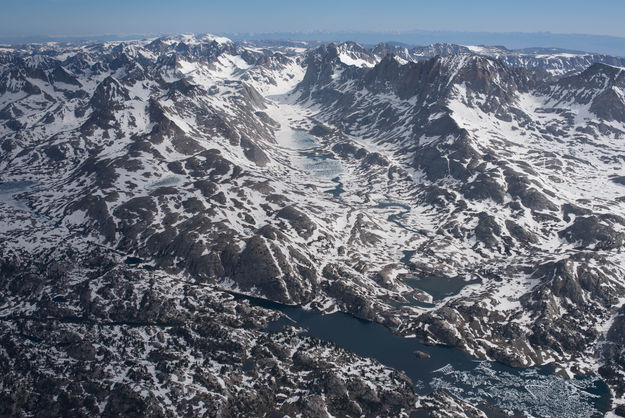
(440, 287)
(338, 190)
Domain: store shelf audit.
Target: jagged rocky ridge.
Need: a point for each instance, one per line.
(176, 156)
(553, 60)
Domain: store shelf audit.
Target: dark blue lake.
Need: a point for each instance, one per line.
(534, 390)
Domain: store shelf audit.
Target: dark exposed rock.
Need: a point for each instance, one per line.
(298, 220)
(256, 268)
(571, 277)
(97, 210)
(591, 231)
(487, 230)
(619, 180)
(530, 196)
(484, 187)
(520, 234)
(320, 130)
(421, 354)
(438, 164)
(253, 152)
(135, 217)
(609, 106)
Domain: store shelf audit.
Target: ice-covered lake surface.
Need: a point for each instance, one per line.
(536, 390)
(310, 157)
(9, 191)
(167, 181)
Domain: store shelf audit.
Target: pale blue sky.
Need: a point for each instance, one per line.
(92, 17)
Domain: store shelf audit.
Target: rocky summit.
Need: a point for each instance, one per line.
(177, 214)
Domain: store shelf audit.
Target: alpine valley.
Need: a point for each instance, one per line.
(192, 226)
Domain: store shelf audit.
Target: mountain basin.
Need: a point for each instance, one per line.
(536, 390)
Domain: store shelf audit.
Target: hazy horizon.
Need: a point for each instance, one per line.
(610, 45)
(75, 17)
(571, 24)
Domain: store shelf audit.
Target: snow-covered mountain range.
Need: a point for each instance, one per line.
(472, 197)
